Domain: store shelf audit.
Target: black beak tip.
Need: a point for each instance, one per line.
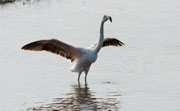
(110, 19)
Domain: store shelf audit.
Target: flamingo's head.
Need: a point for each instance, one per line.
(105, 18)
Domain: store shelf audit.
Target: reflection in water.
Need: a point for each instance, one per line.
(82, 99)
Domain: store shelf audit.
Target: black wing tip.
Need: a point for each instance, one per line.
(112, 42)
(121, 43)
(32, 46)
(24, 47)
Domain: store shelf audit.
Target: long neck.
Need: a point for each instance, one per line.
(101, 38)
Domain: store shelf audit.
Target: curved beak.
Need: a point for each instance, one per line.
(110, 18)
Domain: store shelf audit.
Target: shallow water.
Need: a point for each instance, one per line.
(141, 76)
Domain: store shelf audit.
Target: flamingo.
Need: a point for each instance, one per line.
(81, 57)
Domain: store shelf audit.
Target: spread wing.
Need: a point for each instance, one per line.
(56, 47)
(112, 42)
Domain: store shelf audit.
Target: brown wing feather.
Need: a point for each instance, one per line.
(112, 42)
(56, 47)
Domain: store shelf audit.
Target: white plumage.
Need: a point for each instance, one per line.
(82, 57)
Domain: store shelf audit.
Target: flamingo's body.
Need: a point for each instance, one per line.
(82, 57)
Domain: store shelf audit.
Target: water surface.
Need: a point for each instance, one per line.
(141, 76)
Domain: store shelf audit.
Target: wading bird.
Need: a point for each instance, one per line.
(82, 57)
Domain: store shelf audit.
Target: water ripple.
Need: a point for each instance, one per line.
(81, 99)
